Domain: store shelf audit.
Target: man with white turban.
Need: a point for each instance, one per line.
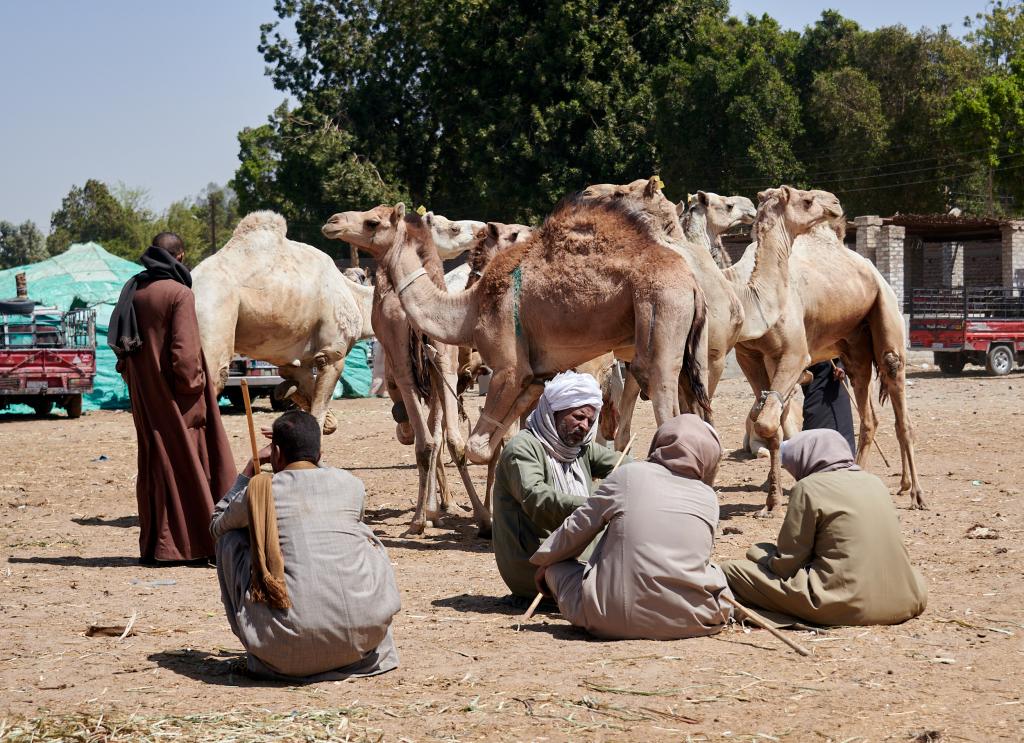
(546, 472)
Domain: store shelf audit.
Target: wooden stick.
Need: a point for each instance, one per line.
(764, 624)
(252, 428)
(536, 599)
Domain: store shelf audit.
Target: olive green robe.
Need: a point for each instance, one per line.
(527, 507)
(840, 558)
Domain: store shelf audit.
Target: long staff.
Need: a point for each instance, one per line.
(763, 623)
(537, 599)
(252, 428)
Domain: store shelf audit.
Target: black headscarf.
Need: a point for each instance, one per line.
(123, 332)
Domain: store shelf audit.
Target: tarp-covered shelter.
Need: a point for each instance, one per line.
(85, 275)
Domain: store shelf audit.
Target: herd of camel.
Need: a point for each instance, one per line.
(615, 273)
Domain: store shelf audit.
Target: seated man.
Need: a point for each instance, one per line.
(651, 575)
(308, 588)
(840, 557)
(545, 473)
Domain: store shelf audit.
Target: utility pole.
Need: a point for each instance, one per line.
(211, 200)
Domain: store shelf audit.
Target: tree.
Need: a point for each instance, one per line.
(21, 244)
(303, 165)
(489, 108)
(91, 212)
(216, 208)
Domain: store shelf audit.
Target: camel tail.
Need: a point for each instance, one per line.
(691, 362)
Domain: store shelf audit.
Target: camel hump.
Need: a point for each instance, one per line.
(261, 220)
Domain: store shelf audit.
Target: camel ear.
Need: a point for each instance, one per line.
(652, 187)
(763, 196)
(398, 213)
(702, 198)
(680, 208)
(492, 230)
(429, 219)
(786, 194)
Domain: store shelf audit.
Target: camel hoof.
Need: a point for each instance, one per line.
(764, 513)
(415, 530)
(330, 423)
(484, 532)
(763, 453)
(918, 505)
(405, 434)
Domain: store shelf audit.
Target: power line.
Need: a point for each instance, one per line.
(917, 183)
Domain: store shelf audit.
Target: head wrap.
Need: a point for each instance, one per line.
(687, 446)
(123, 329)
(817, 450)
(566, 391)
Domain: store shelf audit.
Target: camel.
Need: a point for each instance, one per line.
(767, 282)
(831, 302)
(706, 216)
(453, 238)
(591, 280)
(724, 311)
(281, 301)
(421, 384)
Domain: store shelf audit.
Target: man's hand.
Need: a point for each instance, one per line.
(264, 456)
(538, 579)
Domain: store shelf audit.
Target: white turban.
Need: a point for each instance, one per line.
(567, 390)
(572, 390)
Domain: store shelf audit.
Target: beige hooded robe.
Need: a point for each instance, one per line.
(651, 575)
(840, 557)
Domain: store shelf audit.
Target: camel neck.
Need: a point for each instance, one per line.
(448, 318)
(764, 294)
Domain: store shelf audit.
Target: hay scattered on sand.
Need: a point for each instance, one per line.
(239, 727)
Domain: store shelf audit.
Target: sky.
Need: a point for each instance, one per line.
(153, 93)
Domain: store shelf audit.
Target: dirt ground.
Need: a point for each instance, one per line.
(69, 543)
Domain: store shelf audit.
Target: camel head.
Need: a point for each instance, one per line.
(490, 240)
(647, 194)
(721, 212)
(452, 238)
(374, 231)
(800, 211)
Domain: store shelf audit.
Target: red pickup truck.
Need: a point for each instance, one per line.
(983, 326)
(47, 357)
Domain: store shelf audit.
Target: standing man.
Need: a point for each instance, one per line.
(827, 403)
(185, 462)
(544, 473)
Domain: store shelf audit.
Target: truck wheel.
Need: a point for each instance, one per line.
(73, 406)
(950, 363)
(999, 361)
(42, 406)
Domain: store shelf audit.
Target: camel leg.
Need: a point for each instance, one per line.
(859, 368)
(327, 378)
(436, 484)
(752, 366)
(892, 373)
(768, 423)
(627, 406)
(510, 394)
(423, 441)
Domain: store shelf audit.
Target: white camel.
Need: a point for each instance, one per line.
(281, 301)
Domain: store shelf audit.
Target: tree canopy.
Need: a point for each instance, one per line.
(494, 109)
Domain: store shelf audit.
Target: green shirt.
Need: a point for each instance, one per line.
(527, 507)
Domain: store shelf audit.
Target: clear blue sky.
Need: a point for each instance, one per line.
(152, 93)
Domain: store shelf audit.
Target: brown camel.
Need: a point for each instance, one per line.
(591, 280)
(835, 303)
(421, 383)
(724, 311)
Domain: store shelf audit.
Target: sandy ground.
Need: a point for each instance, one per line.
(68, 547)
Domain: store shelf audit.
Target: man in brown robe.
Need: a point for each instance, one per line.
(651, 575)
(839, 558)
(185, 462)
